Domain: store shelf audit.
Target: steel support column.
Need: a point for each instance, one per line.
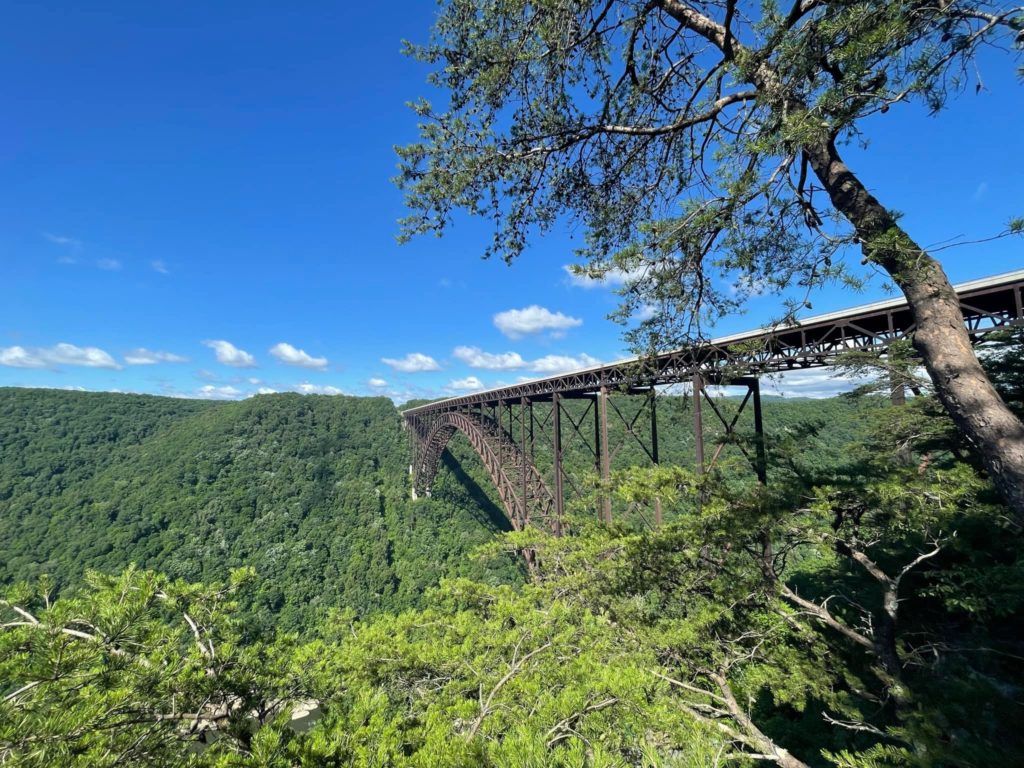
(762, 456)
(526, 467)
(653, 396)
(604, 462)
(556, 415)
(698, 421)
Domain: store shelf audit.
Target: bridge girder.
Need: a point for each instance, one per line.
(987, 305)
(523, 492)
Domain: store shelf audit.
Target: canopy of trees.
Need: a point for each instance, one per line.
(701, 147)
(311, 492)
(857, 612)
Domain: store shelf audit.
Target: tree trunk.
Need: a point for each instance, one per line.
(940, 337)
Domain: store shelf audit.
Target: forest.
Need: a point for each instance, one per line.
(253, 584)
(182, 578)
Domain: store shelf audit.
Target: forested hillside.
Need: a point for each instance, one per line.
(309, 491)
(862, 610)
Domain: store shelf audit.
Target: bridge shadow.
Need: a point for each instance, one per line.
(490, 513)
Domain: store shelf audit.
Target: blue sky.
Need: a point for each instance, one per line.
(196, 201)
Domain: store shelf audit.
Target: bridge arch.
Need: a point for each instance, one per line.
(523, 492)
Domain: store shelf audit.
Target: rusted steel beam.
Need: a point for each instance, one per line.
(988, 305)
(524, 468)
(698, 421)
(653, 399)
(605, 465)
(759, 446)
(557, 455)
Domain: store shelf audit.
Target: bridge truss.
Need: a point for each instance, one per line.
(512, 426)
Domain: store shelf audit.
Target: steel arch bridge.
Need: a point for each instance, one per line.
(523, 492)
(503, 424)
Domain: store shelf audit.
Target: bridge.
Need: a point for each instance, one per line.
(508, 427)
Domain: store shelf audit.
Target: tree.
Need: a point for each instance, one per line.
(139, 670)
(701, 139)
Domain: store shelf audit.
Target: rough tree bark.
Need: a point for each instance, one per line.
(940, 337)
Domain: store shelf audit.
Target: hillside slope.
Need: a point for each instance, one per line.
(310, 491)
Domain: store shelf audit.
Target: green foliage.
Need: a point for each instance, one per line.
(311, 492)
(862, 610)
(136, 670)
(683, 138)
(1003, 358)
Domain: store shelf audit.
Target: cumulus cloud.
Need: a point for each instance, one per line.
(143, 356)
(19, 357)
(212, 392)
(290, 355)
(613, 278)
(468, 383)
(377, 383)
(228, 354)
(645, 312)
(474, 357)
(562, 363)
(57, 355)
(266, 391)
(414, 362)
(814, 383)
(306, 388)
(160, 266)
(516, 323)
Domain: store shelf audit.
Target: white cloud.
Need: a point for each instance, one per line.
(59, 354)
(814, 383)
(750, 286)
(266, 391)
(159, 265)
(468, 383)
(111, 265)
(377, 383)
(211, 392)
(981, 190)
(228, 354)
(414, 362)
(516, 323)
(306, 388)
(70, 243)
(63, 240)
(562, 363)
(474, 357)
(613, 278)
(143, 356)
(289, 355)
(19, 357)
(645, 312)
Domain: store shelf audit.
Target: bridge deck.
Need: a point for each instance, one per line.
(987, 304)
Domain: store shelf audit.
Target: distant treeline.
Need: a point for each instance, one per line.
(311, 491)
